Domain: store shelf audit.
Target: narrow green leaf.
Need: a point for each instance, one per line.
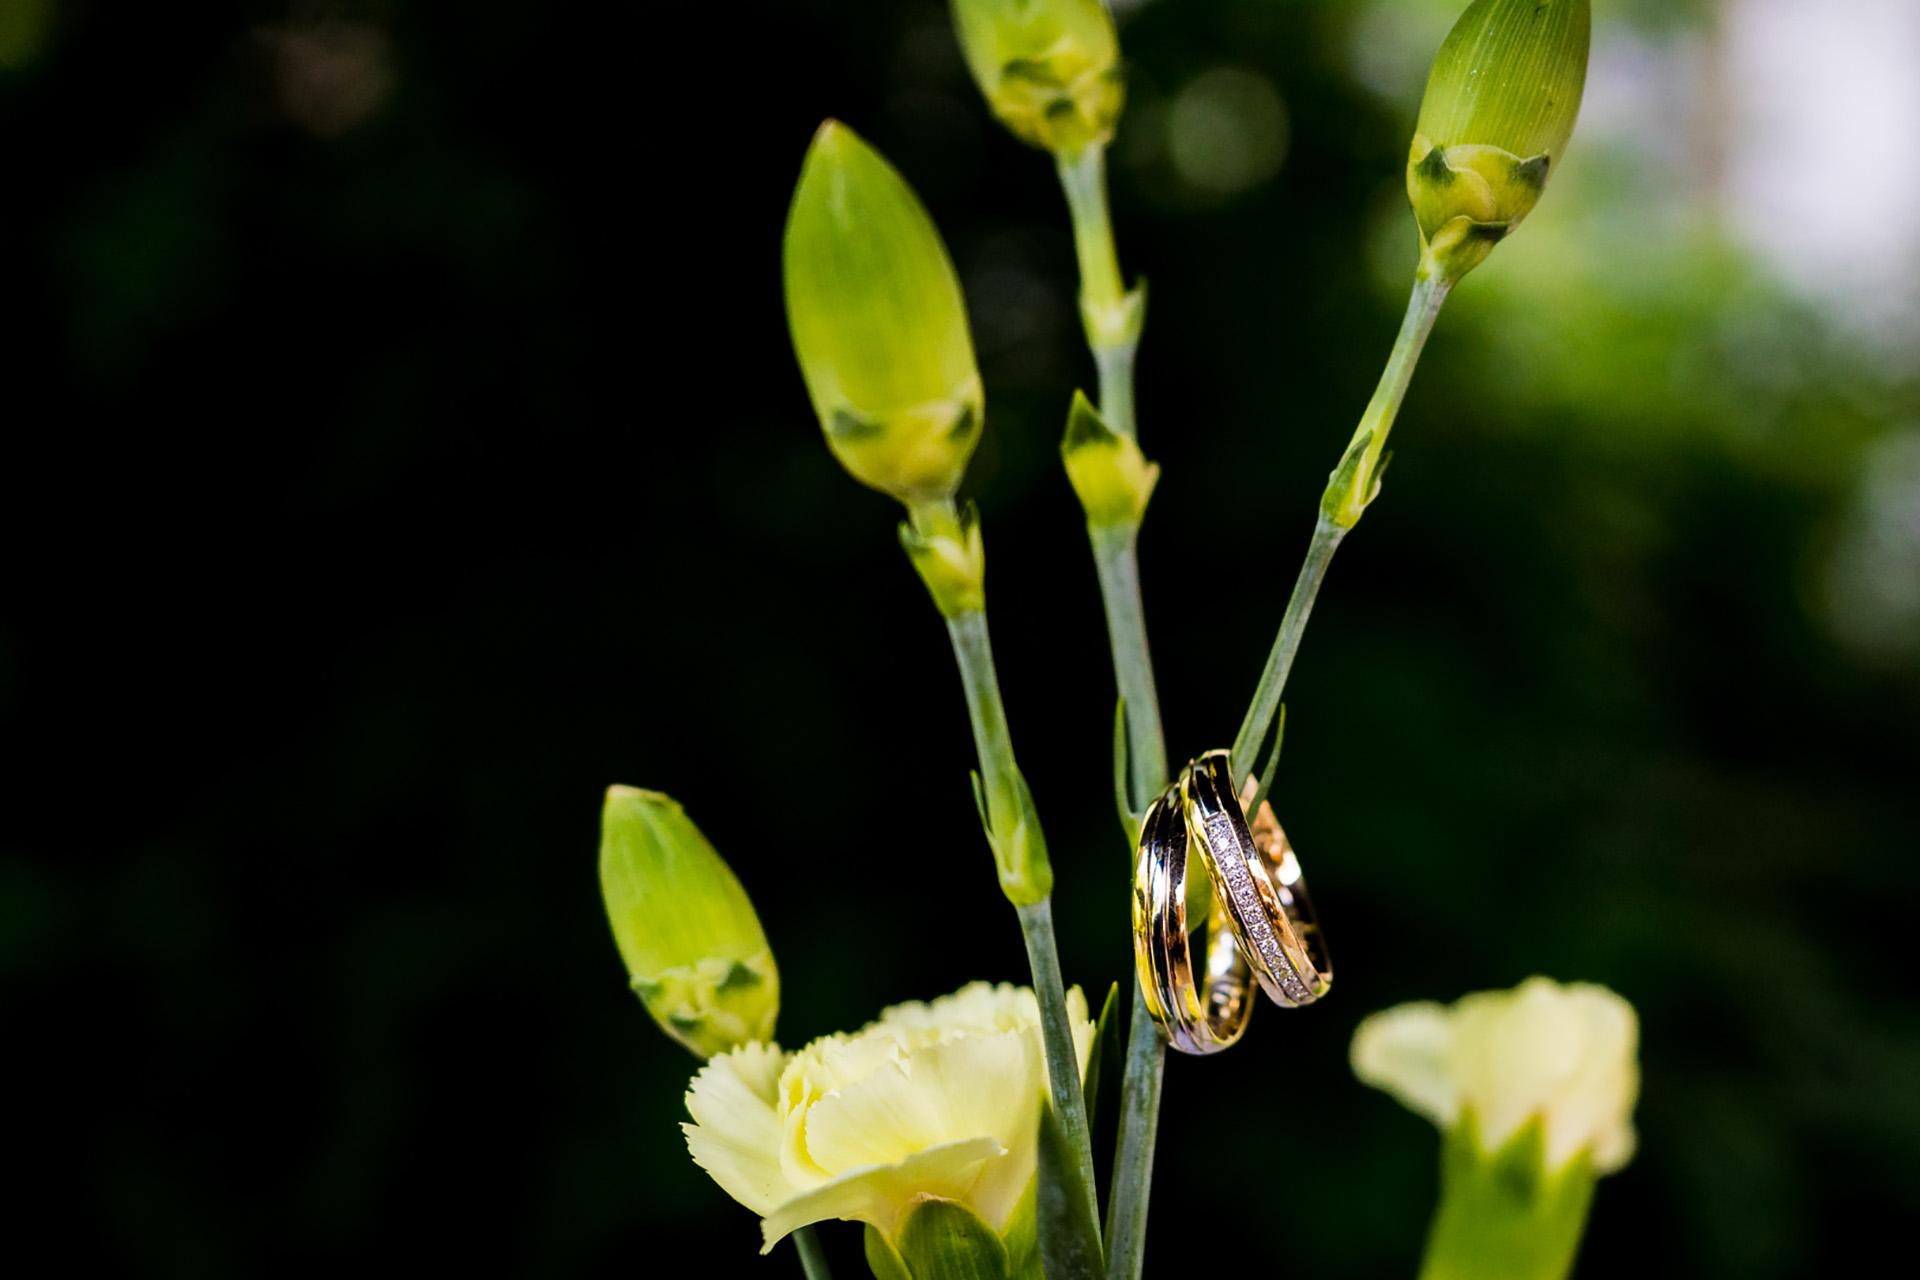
(1348, 489)
(1102, 1057)
(1122, 799)
(1026, 873)
(1022, 1235)
(1069, 1238)
(1105, 1066)
(1273, 763)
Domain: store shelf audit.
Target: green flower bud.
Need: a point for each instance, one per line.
(949, 555)
(684, 926)
(878, 323)
(1050, 68)
(1112, 477)
(1499, 110)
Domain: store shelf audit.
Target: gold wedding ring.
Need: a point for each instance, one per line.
(1203, 1018)
(1255, 873)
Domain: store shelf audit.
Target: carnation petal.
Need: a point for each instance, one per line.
(736, 1131)
(881, 1119)
(992, 1084)
(879, 1194)
(1595, 1106)
(1405, 1052)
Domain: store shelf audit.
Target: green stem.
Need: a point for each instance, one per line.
(1119, 570)
(1423, 308)
(1112, 323)
(1007, 806)
(813, 1259)
(1063, 1061)
(1105, 308)
(1504, 1213)
(1133, 1154)
(1266, 696)
(1127, 1196)
(1339, 512)
(1116, 387)
(992, 741)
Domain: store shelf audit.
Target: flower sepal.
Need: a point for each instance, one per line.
(941, 1239)
(1506, 1213)
(1467, 199)
(1050, 69)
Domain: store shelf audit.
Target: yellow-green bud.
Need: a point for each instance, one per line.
(878, 323)
(1050, 68)
(949, 555)
(1112, 477)
(1498, 112)
(685, 927)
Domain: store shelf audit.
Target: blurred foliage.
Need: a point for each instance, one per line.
(403, 444)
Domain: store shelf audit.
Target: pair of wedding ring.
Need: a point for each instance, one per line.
(1261, 925)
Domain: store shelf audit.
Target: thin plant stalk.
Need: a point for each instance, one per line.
(973, 650)
(1141, 1079)
(1423, 308)
(1293, 624)
(1083, 175)
(1103, 293)
(1133, 1153)
(1119, 569)
(813, 1259)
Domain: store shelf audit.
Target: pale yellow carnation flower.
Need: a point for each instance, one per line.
(938, 1099)
(1567, 1054)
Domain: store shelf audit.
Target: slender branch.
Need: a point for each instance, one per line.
(1007, 806)
(1105, 307)
(1266, 697)
(813, 1259)
(1430, 292)
(992, 740)
(1063, 1061)
(1133, 1154)
(1119, 569)
(1116, 386)
(1112, 323)
(1423, 308)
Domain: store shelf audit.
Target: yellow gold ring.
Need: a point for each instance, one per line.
(1256, 873)
(1199, 1019)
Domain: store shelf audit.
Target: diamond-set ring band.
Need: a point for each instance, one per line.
(1266, 896)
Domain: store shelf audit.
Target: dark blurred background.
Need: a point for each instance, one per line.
(401, 444)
